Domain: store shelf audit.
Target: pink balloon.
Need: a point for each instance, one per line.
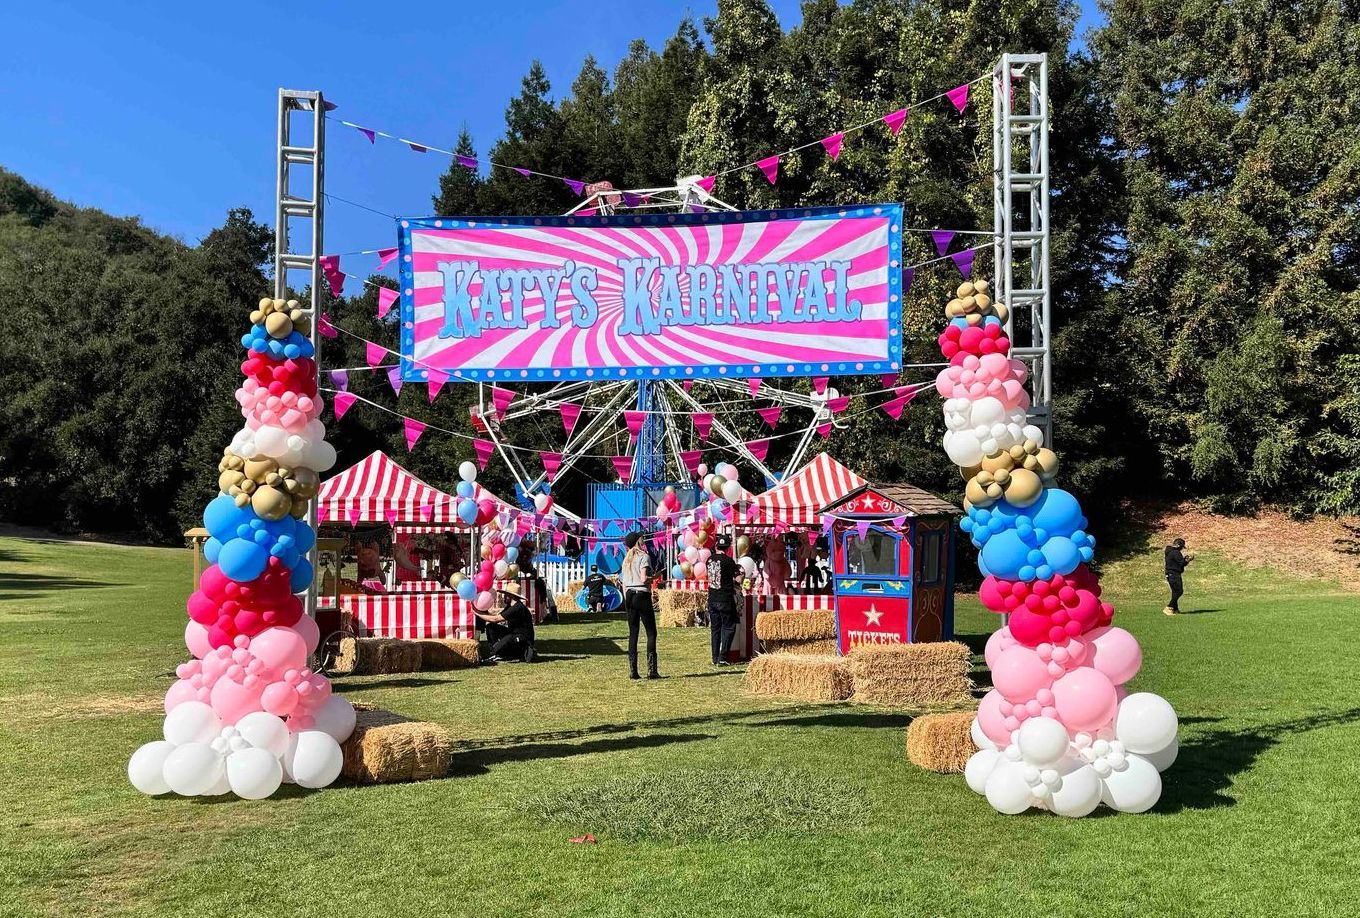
(700, 569)
(1019, 673)
(1000, 639)
(483, 580)
(1117, 654)
(991, 720)
(279, 649)
(498, 550)
(279, 699)
(196, 639)
(483, 601)
(1085, 699)
(705, 554)
(232, 700)
(311, 635)
(730, 472)
(182, 691)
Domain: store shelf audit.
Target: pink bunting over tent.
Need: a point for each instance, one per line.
(386, 298)
(377, 489)
(703, 423)
(342, 402)
(413, 429)
(799, 498)
(386, 255)
(691, 460)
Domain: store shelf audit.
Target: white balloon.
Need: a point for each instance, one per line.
(467, 470)
(191, 722)
(145, 768)
(272, 441)
(335, 717)
(264, 731)
(988, 411)
(192, 769)
(963, 448)
(1134, 788)
(1164, 758)
(748, 565)
(1079, 791)
(1042, 741)
(980, 766)
(253, 773)
(1030, 432)
(980, 740)
(223, 786)
(1007, 790)
(731, 491)
(501, 569)
(316, 759)
(321, 457)
(1145, 723)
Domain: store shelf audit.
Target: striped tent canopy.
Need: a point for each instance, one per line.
(377, 490)
(798, 499)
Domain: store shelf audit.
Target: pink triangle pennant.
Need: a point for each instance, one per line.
(819, 384)
(570, 413)
(770, 166)
(770, 415)
(436, 382)
(862, 527)
(832, 145)
(336, 282)
(413, 429)
(386, 255)
(838, 404)
(324, 326)
(329, 264)
(386, 297)
(754, 385)
(895, 119)
(484, 449)
(703, 423)
(623, 467)
(427, 512)
(706, 183)
(824, 430)
(758, 448)
(501, 398)
(390, 514)
(342, 402)
(354, 514)
(888, 379)
(691, 458)
(634, 420)
(687, 384)
(323, 513)
(551, 463)
(959, 96)
(374, 354)
(394, 380)
(899, 522)
(893, 407)
(964, 261)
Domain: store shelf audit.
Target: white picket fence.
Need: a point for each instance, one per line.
(558, 574)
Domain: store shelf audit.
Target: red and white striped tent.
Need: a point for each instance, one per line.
(377, 490)
(797, 500)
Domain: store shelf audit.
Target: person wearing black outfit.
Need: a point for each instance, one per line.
(637, 601)
(510, 633)
(1176, 560)
(723, 574)
(595, 585)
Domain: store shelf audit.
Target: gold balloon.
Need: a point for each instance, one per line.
(1024, 488)
(456, 578)
(486, 549)
(511, 571)
(687, 569)
(701, 537)
(308, 482)
(743, 545)
(278, 325)
(270, 503)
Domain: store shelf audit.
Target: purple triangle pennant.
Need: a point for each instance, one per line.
(964, 261)
(631, 200)
(942, 239)
(899, 522)
(340, 379)
(467, 162)
(575, 186)
(832, 145)
(895, 119)
(394, 380)
(770, 166)
(862, 527)
(959, 96)
(908, 275)
(371, 135)
(522, 171)
(415, 147)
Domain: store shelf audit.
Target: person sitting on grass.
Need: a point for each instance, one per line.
(1176, 560)
(595, 585)
(509, 633)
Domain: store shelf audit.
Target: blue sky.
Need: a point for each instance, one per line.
(166, 110)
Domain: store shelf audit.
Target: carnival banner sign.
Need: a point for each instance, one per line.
(806, 292)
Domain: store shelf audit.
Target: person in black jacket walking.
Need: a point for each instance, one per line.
(723, 575)
(1176, 560)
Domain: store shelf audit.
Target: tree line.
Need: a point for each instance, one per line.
(1206, 253)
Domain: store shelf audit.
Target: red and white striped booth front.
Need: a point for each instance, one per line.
(409, 614)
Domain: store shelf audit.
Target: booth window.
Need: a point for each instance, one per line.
(873, 556)
(928, 563)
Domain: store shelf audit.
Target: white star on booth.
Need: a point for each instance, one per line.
(872, 615)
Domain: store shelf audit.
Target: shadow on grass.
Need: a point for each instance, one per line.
(587, 646)
(479, 759)
(1202, 776)
(396, 682)
(15, 585)
(841, 718)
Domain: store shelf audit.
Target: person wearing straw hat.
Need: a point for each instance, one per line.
(723, 575)
(637, 602)
(510, 632)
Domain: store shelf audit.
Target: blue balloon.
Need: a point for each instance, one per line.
(304, 535)
(211, 548)
(511, 554)
(467, 590)
(301, 577)
(222, 517)
(677, 573)
(465, 489)
(242, 560)
(467, 512)
(1058, 512)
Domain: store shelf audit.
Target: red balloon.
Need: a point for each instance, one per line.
(1053, 610)
(279, 376)
(227, 608)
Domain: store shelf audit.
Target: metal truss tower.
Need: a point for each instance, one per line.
(1020, 183)
(299, 223)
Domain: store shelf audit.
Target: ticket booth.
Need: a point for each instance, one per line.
(892, 562)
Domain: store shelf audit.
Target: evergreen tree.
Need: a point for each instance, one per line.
(460, 186)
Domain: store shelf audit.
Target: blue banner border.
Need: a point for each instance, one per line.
(411, 372)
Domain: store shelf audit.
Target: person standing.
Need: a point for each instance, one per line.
(723, 576)
(637, 602)
(1176, 560)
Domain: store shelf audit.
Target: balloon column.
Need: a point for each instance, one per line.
(722, 491)
(1059, 731)
(246, 714)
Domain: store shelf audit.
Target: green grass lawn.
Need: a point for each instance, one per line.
(704, 801)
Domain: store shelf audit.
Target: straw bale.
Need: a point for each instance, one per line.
(566, 602)
(912, 676)
(375, 656)
(796, 626)
(575, 586)
(822, 647)
(805, 678)
(679, 608)
(387, 747)
(941, 742)
(448, 653)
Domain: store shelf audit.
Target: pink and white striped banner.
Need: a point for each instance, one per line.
(802, 292)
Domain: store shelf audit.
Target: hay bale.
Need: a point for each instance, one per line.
(387, 747)
(814, 625)
(448, 653)
(679, 608)
(805, 678)
(822, 647)
(941, 742)
(912, 676)
(376, 656)
(566, 602)
(575, 586)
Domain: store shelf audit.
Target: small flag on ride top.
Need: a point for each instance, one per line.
(770, 166)
(501, 398)
(754, 385)
(394, 380)
(413, 429)
(825, 429)
(570, 413)
(623, 467)
(386, 255)
(894, 120)
(483, 449)
(374, 353)
(386, 297)
(342, 403)
(959, 96)
(436, 382)
(838, 404)
(832, 145)
(706, 183)
(575, 186)
(964, 261)
(770, 415)
(942, 239)
(691, 460)
(703, 423)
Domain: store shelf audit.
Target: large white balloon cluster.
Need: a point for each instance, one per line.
(307, 448)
